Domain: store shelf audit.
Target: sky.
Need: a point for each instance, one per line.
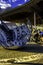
(11, 3)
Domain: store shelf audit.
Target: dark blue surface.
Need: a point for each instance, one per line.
(6, 4)
(17, 36)
(41, 33)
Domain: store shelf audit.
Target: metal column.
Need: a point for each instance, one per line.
(35, 19)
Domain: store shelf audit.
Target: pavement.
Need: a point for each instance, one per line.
(31, 53)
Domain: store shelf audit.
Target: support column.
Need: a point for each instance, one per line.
(34, 19)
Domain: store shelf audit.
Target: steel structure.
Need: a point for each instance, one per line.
(18, 36)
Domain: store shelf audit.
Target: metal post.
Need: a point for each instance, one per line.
(34, 19)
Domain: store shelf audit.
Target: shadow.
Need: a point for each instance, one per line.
(31, 48)
(28, 63)
(25, 63)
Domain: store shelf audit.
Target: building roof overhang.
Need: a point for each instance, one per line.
(23, 11)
